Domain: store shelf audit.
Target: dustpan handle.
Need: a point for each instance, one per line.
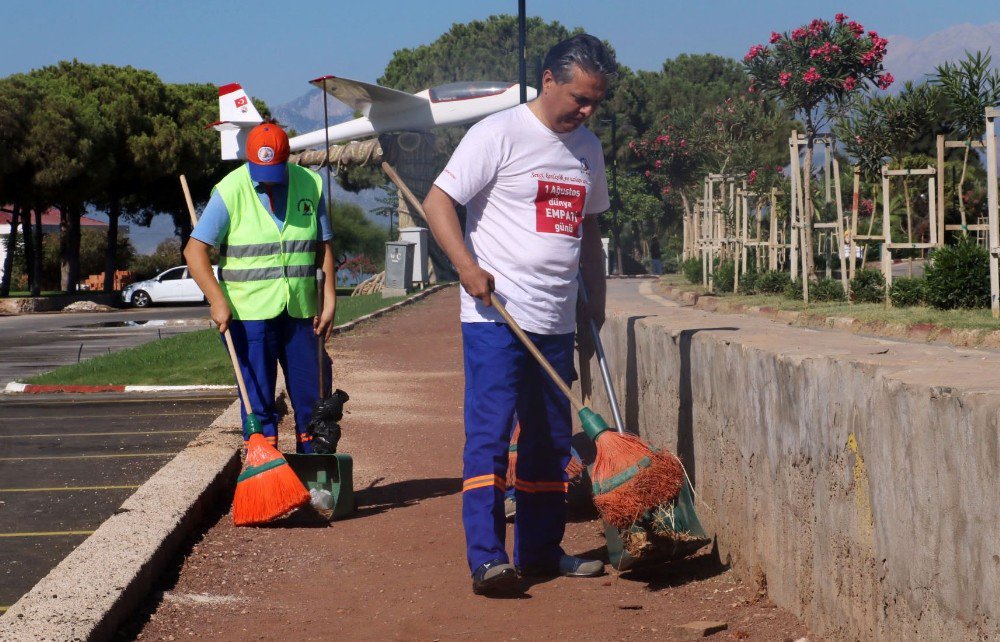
(539, 357)
(602, 360)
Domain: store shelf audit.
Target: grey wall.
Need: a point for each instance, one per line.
(856, 478)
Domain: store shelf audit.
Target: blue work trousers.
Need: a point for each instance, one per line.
(501, 378)
(260, 347)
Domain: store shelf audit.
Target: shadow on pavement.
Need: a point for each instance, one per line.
(378, 499)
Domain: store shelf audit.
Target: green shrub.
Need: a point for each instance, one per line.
(793, 290)
(868, 286)
(748, 282)
(723, 276)
(772, 282)
(958, 276)
(906, 291)
(827, 290)
(692, 270)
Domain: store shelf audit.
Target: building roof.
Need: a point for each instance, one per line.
(50, 218)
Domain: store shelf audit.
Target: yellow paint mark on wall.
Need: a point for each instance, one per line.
(862, 491)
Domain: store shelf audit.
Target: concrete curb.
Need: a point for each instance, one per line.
(15, 387)
(95, 588)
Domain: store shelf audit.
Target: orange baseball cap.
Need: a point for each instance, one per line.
(267, 153)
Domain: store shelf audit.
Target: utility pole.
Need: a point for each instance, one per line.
(522, 59)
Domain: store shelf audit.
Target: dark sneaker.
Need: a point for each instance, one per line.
(495, 577)
(566, 566)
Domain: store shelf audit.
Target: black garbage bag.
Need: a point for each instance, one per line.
(324, 425)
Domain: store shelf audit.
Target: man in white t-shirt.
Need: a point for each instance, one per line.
(532, 180)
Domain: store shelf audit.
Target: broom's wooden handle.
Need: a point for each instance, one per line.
(187, 199)
(319, 340)
(239, 374)
(535, 352)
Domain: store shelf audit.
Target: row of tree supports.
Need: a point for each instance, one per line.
(719, 227)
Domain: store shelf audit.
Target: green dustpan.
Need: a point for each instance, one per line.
(332, 473)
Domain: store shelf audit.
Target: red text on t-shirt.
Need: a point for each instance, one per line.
(559, 208)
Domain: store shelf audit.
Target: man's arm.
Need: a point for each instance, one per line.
(200, 267)
(443, 220)
(592, 269)
(323, 322)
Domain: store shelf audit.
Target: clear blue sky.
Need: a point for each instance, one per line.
(274, 51)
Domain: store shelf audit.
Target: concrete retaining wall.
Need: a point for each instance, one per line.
(856, 478)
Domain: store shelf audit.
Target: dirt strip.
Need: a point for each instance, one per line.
(396, 570)
(917, 332)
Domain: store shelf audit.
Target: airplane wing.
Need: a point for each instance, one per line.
(360, 96)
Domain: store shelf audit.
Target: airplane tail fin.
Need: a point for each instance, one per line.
(237, 116)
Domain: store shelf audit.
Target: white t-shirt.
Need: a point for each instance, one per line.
(526, 190)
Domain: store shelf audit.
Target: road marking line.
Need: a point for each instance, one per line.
(58, 488)
(131, 400)
(47, 534)
(170, 454)
(130, 415)
(103, 434)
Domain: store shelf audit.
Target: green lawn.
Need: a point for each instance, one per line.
(190, 358)
(980, 319)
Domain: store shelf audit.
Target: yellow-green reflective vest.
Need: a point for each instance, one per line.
(262, 269)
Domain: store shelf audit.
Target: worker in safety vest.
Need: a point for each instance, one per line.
(266, 220)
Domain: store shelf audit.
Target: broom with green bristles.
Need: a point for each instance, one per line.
(267, 488)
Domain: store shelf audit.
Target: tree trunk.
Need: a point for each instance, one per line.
(909, 217)
(8, 259)
(961, 186)
(183, 229)
(616, 233)
(111, 252)
(689, 242)
(36, 258)
(808, 265)
(29, 246)
(69, 249)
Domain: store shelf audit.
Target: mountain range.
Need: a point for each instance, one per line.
(913, 59)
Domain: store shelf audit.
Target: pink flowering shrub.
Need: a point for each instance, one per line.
(665, 152)
(819, 62)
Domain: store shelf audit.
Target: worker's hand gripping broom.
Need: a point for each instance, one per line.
(267, 488)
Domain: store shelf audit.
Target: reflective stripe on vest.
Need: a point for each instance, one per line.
(267, 249)
(265, 270)
(265, 274)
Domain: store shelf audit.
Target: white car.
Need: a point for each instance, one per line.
(173, 286)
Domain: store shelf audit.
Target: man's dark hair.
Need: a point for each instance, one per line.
(583, 50)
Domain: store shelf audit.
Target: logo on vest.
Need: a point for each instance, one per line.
(265, 154)
(305, 206)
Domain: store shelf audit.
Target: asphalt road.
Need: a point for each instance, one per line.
(31, 344)
(67, 462)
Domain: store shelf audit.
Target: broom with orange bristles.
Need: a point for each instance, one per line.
(629, 477)
(267, 488)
